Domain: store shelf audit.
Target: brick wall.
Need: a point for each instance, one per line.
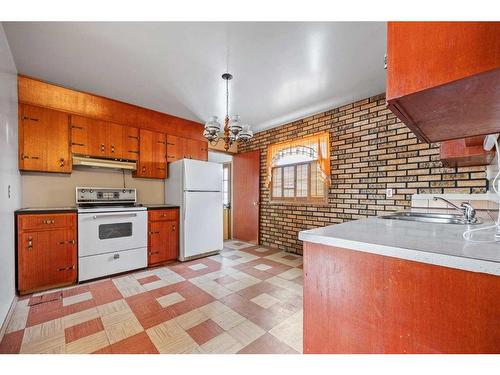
(371, 150)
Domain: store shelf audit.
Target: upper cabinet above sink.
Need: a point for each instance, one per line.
(443, 78)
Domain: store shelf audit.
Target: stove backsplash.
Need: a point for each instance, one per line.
(53, 190)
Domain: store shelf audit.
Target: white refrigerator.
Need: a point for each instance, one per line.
(196, 186)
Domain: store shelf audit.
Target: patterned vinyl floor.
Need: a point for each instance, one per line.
(247, 299)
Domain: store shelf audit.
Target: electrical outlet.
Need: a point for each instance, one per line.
(388, 192)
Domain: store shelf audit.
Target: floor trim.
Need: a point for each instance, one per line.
(8, 316)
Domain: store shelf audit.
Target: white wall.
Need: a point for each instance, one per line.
(9, 175)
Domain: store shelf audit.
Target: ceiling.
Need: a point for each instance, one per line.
(282, 70)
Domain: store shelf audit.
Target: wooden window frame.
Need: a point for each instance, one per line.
(308, 199)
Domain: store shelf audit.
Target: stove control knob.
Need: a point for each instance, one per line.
(124, 191)
(83, 190)
(91, 191)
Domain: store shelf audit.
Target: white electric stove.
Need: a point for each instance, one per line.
(112, 232)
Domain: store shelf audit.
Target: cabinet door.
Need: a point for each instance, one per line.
(159, 155)
(114, 141)
(158, 241)
(97, 135)
(172, 251)
(145, 164)
(163, 241)
(130, 143)
(44, 140)
(175, 148)
(46, 258)
(198, 149)
(79, 136)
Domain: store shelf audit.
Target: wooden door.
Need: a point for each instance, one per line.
(79, 136)
(159, 155)
(197, 150)
(246, 196)
(114, 141)
(44, 141)
(130, 143)
(175, 148)
(158, 241)
(97, 138)
(145, 164)
(173, 241)
(46, 258)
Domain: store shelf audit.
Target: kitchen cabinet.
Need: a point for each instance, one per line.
(184, 148)
(43, 140)
(90, 137)
(443, 78)
(152, 155)
(163, 235)
(46, 251)
(465, 152)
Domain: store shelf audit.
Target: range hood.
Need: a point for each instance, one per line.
(104, 163)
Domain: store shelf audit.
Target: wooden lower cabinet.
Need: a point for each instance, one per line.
(357, 302)
(163, 235)
(46, 251)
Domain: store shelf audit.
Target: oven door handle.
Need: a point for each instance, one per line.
(114, 215)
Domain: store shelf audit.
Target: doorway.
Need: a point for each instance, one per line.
(227, 161)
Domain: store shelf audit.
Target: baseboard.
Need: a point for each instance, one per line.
(7, 317)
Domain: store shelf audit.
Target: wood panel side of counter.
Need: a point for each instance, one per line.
(356, 302)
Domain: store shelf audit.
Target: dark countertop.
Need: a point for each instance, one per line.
(44, 210)
(159, 206)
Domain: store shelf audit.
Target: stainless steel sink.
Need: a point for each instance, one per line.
(429, 218)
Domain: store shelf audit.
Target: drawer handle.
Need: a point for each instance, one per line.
(77, 144)
(133, 152)
(154, 232)
(61, 242)
(154, 253)
(116, 256)
(71, 242)
(76, 127)
(133, 137)
(173, 228)
(48, 221)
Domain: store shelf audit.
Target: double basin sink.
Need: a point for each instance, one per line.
(430, 218)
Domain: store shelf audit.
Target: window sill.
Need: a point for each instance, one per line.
(299, 203)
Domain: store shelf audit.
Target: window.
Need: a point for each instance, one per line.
(299, 171)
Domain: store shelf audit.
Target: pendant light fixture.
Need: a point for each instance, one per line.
(233, 132)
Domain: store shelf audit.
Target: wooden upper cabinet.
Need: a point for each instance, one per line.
(184, 148)
(465, 152)
(443, 78)
(44, 140)
(197, 149)
(130, 143)
(159, 155)
(175, 148)
(152, 155)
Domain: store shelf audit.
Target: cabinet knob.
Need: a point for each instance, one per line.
(61, 162)
(113, 148)
(116, 256)
(173, 228)
(71, 242)
(102, 147)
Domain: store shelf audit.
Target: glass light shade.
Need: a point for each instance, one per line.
(235, 125)
(212, 126)
(245, 134)
(209, 136)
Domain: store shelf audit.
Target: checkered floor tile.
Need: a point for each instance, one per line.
(247, 299)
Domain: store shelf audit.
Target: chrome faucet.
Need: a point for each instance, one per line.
(468, 212)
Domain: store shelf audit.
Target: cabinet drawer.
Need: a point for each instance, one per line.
(163, 215)
(95, 266)
(46, 221)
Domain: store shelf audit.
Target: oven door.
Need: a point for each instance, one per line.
(105, 232)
